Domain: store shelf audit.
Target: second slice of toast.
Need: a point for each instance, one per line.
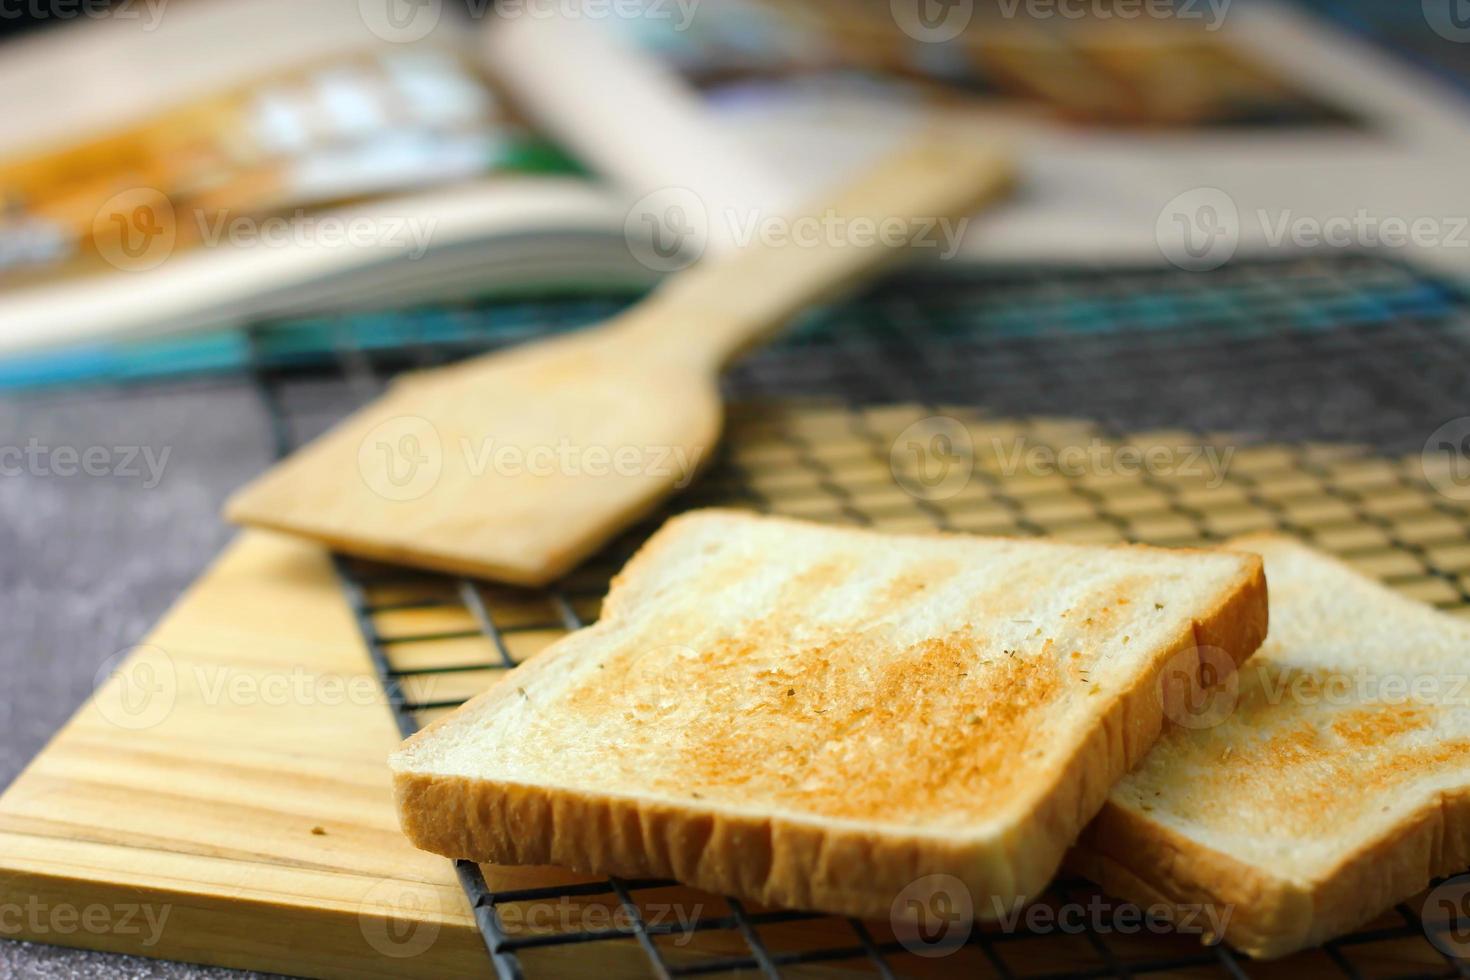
(1335, 782)
(815, 717)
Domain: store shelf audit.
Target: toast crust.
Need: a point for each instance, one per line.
(1271, 915)
(783, 860)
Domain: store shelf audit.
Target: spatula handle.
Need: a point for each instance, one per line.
(920, 195)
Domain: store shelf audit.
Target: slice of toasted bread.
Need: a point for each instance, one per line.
(814, 717)
(1336, 782)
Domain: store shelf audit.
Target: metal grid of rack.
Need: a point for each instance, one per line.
(1324, 377)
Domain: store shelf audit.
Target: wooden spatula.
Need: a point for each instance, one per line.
(517, 465)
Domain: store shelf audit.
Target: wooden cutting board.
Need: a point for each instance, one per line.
(228, 783)
(259, 823)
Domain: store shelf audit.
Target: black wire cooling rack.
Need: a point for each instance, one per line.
(1330, 371)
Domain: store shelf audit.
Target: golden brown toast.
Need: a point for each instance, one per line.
(1335, 782)
(814, 716)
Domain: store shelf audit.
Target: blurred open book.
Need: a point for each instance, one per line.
(267, 158)
(354, 171)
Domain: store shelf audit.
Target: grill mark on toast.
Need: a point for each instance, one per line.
(1367, 728)
(1316, 760)
(785, 712)
(912, 584)
(908, 705)
(801, 728)
(806, 586)
(725, 569)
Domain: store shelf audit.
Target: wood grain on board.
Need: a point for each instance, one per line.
(231, 772)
